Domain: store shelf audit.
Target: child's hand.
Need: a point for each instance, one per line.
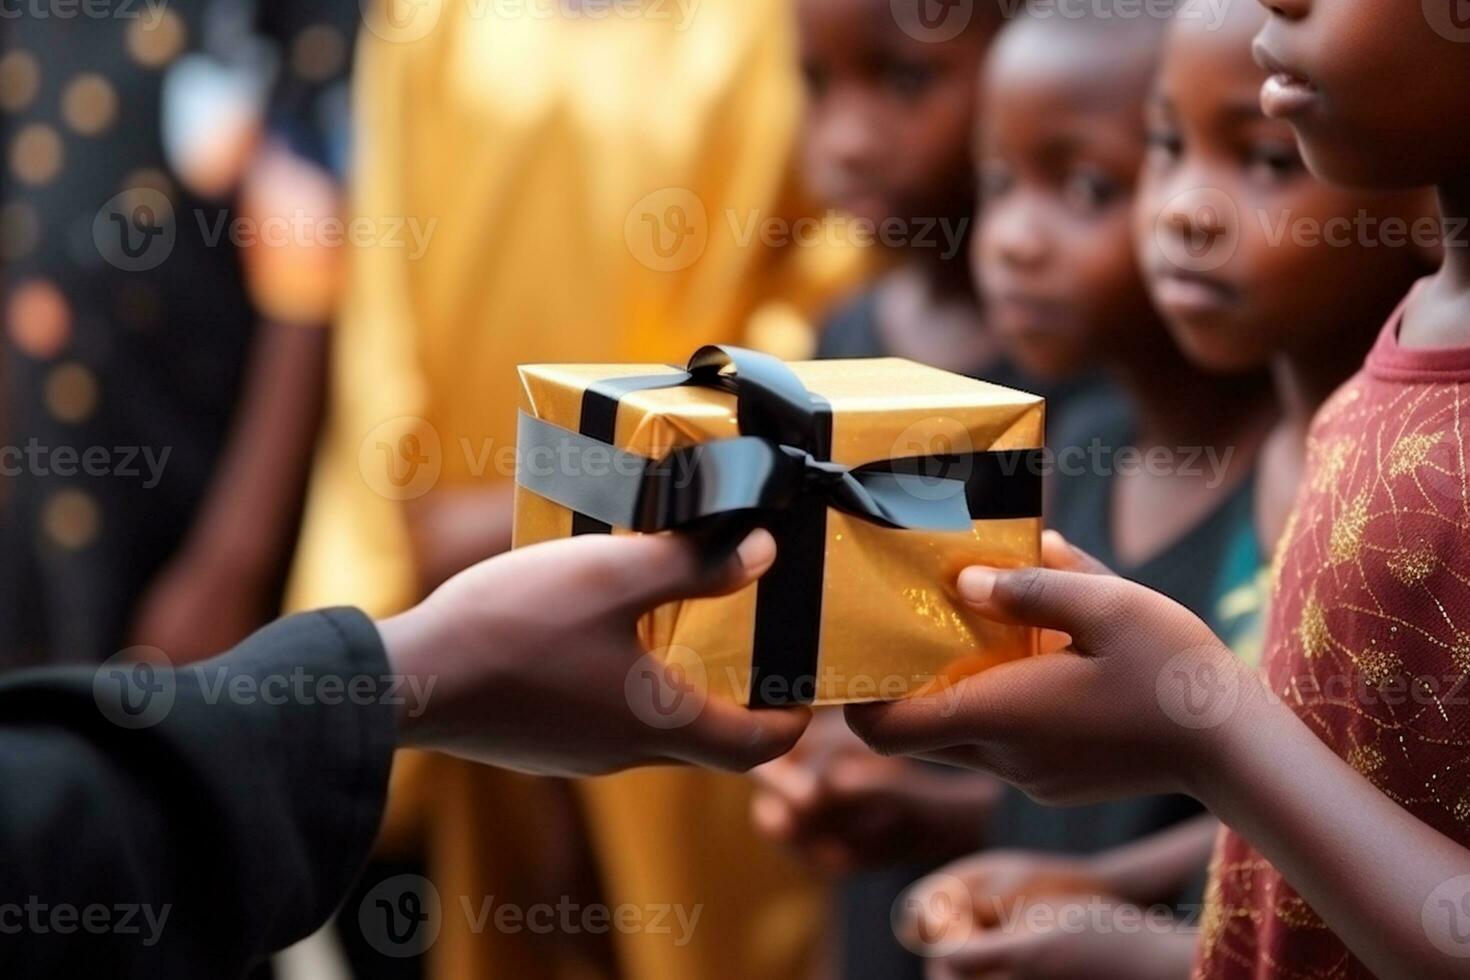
(1137, 703)
(1000, 882)
(841, 807)
(536, 665)
(1072, 938)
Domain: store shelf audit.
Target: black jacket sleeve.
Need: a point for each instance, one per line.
(186, 823)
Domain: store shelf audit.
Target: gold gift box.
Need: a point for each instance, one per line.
(891, 624)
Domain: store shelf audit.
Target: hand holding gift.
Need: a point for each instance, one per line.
(1141, 702)
(531, 661)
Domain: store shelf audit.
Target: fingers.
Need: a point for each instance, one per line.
(946, 727)
(1083, 605)
(652, 569)
(727, 736)
(1064, 556)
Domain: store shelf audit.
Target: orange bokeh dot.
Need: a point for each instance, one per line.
(38, 318)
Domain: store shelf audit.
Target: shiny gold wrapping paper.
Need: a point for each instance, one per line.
(891, 624)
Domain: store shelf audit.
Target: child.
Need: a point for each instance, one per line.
(1340, 774)
(887, 142)
(1308, 309)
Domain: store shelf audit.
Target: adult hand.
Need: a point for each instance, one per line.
(536, 665)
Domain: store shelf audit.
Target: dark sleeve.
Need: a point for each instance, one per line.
(186, 823)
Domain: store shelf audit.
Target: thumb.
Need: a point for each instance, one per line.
(727, 736)
(1085, 606)
(653, 569)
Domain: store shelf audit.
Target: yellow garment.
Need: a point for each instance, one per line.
(538, 153)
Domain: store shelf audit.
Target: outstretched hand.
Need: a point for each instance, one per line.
(536, 665)
(1136, 703)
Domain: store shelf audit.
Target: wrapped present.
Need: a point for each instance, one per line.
(879, 478)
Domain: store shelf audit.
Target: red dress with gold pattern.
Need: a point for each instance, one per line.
(1367, 637)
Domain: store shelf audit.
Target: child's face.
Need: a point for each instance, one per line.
(1059, 149)
(1377, 90)
(1246, 254)
(888, 117)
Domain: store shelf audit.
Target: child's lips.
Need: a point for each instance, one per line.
(1286, 92)
(1187, 294)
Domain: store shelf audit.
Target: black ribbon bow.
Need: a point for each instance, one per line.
(778, 472)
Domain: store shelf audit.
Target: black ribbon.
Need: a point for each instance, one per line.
(777, 473)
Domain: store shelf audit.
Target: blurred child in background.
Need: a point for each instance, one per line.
(1252, 260)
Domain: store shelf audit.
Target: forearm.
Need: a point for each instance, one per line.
(1365, 864)
(248, 518)
(1156, 868)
